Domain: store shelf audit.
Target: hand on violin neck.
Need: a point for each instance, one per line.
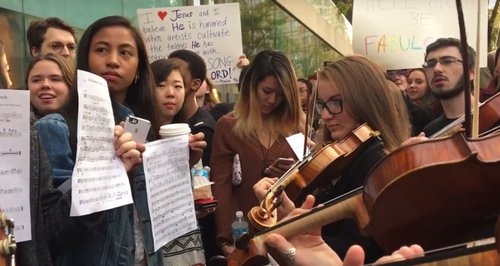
(403, 253)
(262, 186)
(286, 206)
(306, 207)
(414, 140)
(310, 247)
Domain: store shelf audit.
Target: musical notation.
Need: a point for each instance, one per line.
(10, 132)
(10, 152)
(7, 117)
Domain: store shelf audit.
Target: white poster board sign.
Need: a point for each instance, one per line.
(395, 33)
(212, 31)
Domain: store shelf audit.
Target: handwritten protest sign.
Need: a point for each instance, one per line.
(212, 31)
(395, 33)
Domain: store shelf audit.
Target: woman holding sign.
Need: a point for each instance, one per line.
(267, 111)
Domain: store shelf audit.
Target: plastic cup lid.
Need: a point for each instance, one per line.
(174, 129)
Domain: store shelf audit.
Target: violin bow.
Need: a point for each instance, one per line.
(311, 105)
(465, 65)
(308, 117)
(477, 84)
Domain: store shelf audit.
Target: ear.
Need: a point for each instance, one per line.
(472, 74)
(34, 52)
(195, 85)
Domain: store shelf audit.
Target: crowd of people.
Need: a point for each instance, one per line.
(250, 135)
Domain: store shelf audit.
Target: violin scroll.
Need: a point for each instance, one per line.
(7, 240)
(265, 215)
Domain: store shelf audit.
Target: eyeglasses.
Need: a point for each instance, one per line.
(445, 61)
(59, 47)
(333, 106)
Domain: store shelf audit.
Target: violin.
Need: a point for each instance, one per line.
(316, 170)
(7, 241)
(489, 117)
(434, 193)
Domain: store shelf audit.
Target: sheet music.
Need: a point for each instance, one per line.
(297, 143)
(99, 180)
(15, 160)
(168, 182)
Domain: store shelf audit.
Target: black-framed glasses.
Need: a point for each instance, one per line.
(445, 61)
(59, 47)
(333, 106)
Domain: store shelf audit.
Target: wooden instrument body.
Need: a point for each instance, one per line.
(414, 197)
(329, 162)
(434, 193)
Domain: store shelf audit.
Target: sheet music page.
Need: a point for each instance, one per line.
(296, 141)
(168, 183)
(15, 160)
(99, 180)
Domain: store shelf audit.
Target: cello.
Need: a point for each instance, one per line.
(391, 206)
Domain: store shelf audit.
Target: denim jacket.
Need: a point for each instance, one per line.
(103, 238)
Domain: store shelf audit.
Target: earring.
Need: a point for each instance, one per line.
(136, 78)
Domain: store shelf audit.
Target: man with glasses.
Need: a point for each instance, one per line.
(444, 72)
(52, 35)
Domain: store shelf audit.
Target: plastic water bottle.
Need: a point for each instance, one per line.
(240, 226)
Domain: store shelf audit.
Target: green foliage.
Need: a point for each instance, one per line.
(266, 26)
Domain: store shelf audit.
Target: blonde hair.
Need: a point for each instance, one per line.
(369, 97)
(287, 118)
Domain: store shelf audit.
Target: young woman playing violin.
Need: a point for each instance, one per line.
(351, 92)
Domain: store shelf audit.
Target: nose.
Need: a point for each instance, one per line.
(272, 98)
(112, 59)
(438, 67)
(170, 92)
(325, 115)
(45, 83)
(65, 51)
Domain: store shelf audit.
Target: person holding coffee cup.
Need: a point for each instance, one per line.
(169, 96)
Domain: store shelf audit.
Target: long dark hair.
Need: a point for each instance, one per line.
(140, 93)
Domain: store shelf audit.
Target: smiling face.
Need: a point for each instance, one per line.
(270, 94)
(113, 56)
(48, 91)
(169, 96)
(340, 124)
(418, 87)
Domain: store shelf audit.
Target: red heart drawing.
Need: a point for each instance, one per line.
(162, 14)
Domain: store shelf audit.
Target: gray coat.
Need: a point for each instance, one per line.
(42, 195)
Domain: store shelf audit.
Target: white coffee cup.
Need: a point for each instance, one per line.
(175, 129)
